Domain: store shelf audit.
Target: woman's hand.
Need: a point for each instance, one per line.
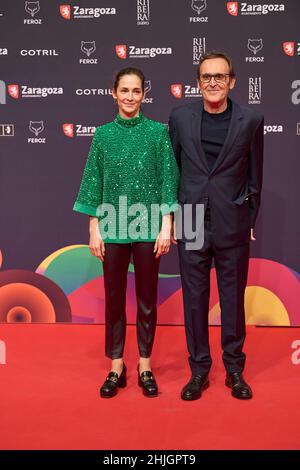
(96, 244)
(163, 241)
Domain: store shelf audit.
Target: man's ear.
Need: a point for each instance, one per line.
(232, 83)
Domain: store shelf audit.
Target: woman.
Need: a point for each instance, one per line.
(130, 170)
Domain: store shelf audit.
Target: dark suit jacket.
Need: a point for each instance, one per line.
(233, 186)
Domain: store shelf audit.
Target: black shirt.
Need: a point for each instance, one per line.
(214, 129)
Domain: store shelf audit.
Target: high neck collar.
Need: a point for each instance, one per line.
(131, 122)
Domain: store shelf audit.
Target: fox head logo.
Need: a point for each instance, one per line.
(121, 51)
(176, 90)
(255, 45)
(13, 91)
(88, 47)
(232, 8)
(289, 48)
(65, 11)
(147, 86)
(199, 5)
(32, 8)
(36, 127)
(68, 130)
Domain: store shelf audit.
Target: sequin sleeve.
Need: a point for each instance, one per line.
(90, 193)
(168, 173)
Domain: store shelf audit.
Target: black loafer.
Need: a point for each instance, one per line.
(147, 382)
(239, 388)
(193, 389)
(112, 383)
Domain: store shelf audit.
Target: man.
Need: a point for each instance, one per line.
(219, 149)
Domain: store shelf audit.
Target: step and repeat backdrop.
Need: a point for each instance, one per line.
(57, 63)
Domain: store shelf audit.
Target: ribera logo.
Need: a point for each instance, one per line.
(24, 91)
(255, 45)
(199, 6)
(273, 129)
(36, 127)
(185, 91)
(143, 12)
(93, 92)
(123, 51)
(88, 48)
(199, 47)
(291, 48)
(254, 9)
(3, 51)
(32, 8)
(39, 52)
(85, 13)
(7, 130)
(255, 90)
(78, 130)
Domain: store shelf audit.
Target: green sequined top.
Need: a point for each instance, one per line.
(130, 173)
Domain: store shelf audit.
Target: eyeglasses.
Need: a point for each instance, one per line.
(218, 77)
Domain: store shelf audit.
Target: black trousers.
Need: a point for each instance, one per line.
(232, 269)
(115, 268)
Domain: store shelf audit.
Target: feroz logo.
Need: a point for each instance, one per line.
(36, 127)
(296, 94)
(68, 130)
(298, 128)
(7, 130)
(199, 6)
(176, 90)
(143, 12)
(2, 92)
(13, 91)
(88, 47)
(32, 8)
(65, 11)
(147, 86)
(121, 51)
(255, 45)
(2, 352)
(233, 8)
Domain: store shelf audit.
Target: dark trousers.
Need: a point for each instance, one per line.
(232, 269)
(115, 268)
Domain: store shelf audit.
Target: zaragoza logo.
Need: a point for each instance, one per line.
(289, 48)
(14, 91)
(121, 51)
(65, 11)
(176, 90)
(233, 8)
(68, 130)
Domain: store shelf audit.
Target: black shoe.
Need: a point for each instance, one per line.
(113, 381)
(240, 389)
(147, 381)
(193, 389)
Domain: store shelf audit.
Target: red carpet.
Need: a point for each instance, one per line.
(49, 393)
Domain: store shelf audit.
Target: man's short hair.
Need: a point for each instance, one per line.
(216, 55)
